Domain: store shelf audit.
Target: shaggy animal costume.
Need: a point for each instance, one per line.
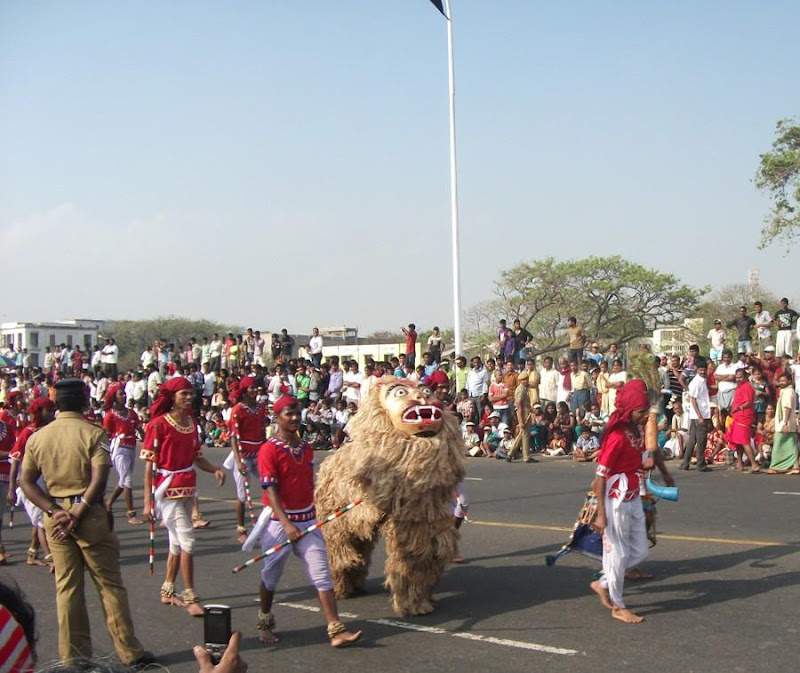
(406, 459)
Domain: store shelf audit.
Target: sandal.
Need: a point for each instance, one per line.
(192, 602)
(199, 522)
(168, 596)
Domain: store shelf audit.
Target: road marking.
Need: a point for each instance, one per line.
(684, 538)
(314, 608)
(473, 478)
(661, 536)
(435, 630)
(474, 636)
(785, 493)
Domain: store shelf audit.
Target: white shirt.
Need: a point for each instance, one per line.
(762, 321)
(209, 383)
(726, 370)
(548, 384)
(352, 394)
(153, 382)
(215, 348)
(111, 354)
(97, 358)
(129, 386)
(148, 358)
(139, 389)
(796, 371)
(698, 390)
(717, 337)
(477, 382)
(315, 342)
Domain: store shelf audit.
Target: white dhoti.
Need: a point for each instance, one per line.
(35, 514)
(250, 462)
(624, 540)
(176, 513)
(123, 458)
(309, 549)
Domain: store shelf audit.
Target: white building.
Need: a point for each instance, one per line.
(676, 340)
(36, 336)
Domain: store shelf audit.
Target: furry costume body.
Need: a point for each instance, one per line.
(408, 470)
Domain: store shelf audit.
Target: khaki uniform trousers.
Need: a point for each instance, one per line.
(523, 438)
(92, 546)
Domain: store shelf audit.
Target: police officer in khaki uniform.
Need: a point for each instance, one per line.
(72, 456)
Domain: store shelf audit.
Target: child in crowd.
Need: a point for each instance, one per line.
(471, 440)
(587, 447)
(558, 444)
(503, 449)
(465, 406)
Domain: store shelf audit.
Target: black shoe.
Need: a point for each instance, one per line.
(685, 467)
(705, 468)
(531, 460)
(145, 660)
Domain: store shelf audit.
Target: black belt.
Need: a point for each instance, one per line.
(71, 499)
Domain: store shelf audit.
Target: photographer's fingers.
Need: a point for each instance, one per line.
(230, 662)
(203, 659)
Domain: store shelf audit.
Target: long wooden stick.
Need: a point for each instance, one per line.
(308, 530)
(243, 471)
(153, 506)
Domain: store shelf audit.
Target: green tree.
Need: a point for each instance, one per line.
(133, 335)
(779, 176)
(615, 300)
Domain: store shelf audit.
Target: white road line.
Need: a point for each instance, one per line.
(473, 478)
(785, 493)
(474, 636)
(436, 630)
(314, 608)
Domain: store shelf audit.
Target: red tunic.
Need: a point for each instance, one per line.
(18, 452)
(173, 449)
(124, 427)
(8, 435)
(621, 454)
(249, 425)
(292, 474)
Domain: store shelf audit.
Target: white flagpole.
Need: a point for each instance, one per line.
(453, 184)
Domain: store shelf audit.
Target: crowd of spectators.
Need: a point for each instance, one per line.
(570, 397)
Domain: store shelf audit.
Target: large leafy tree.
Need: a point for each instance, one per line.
(133, 335)
(779, 176)
(614, 299)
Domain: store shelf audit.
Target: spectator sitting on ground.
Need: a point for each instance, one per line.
(587, 447)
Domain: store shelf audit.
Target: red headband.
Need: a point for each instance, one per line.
(631, 397)
(283, 402)
(39, 404)
(166, 396)
(111, 393)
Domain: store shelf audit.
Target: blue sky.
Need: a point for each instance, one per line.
(284, 164)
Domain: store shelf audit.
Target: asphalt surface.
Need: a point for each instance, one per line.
(724, 596)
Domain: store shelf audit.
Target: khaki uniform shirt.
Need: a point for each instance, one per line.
(65, 451)
(533, 386)
(522, 403)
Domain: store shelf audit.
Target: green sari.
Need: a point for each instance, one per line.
(784, 446)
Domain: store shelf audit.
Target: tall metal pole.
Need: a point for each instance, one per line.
(453, 185)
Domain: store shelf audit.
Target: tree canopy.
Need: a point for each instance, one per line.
(133, 335)
(779, 176)
(614, 299)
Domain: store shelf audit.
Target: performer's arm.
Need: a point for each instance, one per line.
(291, 531)
(148, 480)
(658, 459)
(599, 490)
(204, 465)
(12, 482)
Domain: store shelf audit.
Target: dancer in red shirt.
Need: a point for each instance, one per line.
(620, 517)
(286, 465)
(172, 447)
(123, 428)
(9, 427)
(42, 411)
(248, 423)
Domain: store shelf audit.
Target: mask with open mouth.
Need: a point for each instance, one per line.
(412, 409)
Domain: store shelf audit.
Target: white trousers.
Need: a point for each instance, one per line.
(624, 544)
(239, 479)
(783, 343)
(123, 459)
(176, 513)
(309, 549)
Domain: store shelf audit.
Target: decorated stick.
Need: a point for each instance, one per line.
(308, 530)
(241, 466)
(153, 506)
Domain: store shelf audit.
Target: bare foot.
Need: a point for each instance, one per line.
(195, 609)
(33, 561)
(135, 521)
(793, 471)
(458, 559)
(771, 471)
(603, 593)
(268, 637)
(636, 574)
(241, 538)
(345, 638)
(625, 615)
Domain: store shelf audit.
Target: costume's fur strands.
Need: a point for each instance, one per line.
(409, 483)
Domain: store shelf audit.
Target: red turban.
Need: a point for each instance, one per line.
(166, 396)
(11, 397)
(283, 402)
(111, 393)
(237, 388)
(631, 397)
(39, 404)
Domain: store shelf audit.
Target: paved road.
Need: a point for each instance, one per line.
(724, 597)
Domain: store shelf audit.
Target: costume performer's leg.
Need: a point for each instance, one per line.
(417, 553)
(350, 541)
